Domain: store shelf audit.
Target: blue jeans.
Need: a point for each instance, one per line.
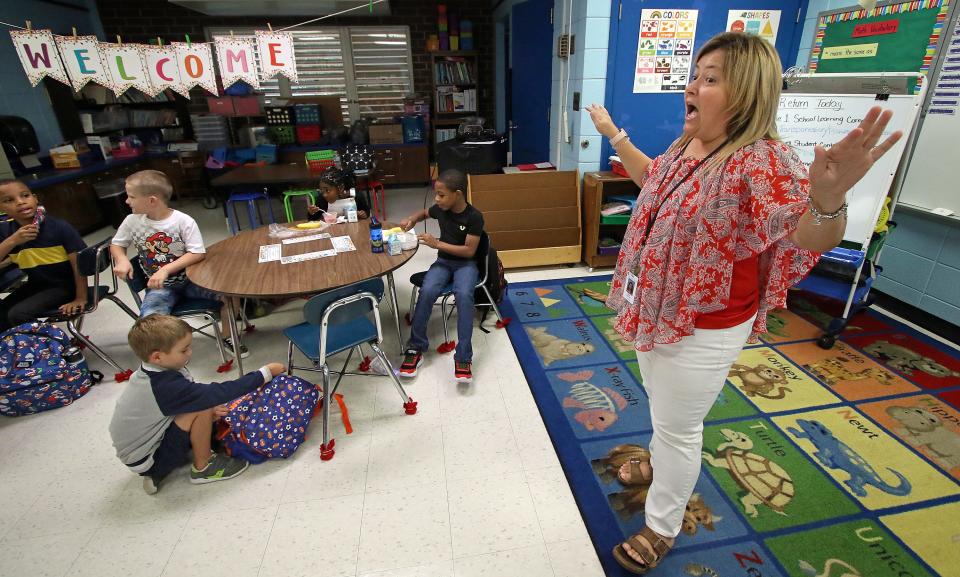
(163, 300)
(464, 275)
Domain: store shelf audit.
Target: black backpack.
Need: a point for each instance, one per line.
(496, 284)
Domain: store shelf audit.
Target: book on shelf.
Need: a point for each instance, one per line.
(453, 71)
(450, 99)
(444, 134)
(616, 207)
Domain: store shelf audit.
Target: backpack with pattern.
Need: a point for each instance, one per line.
(40, 370)
(271, 421)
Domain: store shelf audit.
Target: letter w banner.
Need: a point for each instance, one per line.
(237, 60)
(128, 67)
(82, 59)
(163, 70)
(39, 55)
(196, 67)
(276, 55)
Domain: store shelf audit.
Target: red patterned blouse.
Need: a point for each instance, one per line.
(746, 208)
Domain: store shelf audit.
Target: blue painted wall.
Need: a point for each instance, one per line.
(17, 97)
(921, 259)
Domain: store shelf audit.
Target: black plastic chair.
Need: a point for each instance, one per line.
(208, 310)
(92, 261)
(483, 266)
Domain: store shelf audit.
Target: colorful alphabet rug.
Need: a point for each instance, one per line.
(816, 463)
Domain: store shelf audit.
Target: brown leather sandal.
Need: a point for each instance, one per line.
(637, 478)
(642, 548)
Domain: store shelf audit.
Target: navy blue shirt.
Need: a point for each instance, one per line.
(45, 258)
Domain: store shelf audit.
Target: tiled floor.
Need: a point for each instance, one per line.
(470, 485)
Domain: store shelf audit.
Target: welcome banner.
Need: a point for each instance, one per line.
(237, 59)
(77, 60)
(39, 55)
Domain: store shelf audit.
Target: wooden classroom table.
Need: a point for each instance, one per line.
(265, 174)
(231, 268)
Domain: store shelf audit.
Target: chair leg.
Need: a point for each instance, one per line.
(123, 306)
(287, 209)
(493, 304)
(215, 322)
(446, 317)
(266, 198)
(75, 331)
(289, 357)
(409, 405)
(252, 214)
(232, 223)
(413, 304)
(326, 447)
(342, 370)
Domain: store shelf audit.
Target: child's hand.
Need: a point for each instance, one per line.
(156, 281)
(313, 209)
(220, 411)
(407, 223)
(276, 369)
(123, 270)
(25, 234)
(362, 214)
(429, 240)
(73, 307)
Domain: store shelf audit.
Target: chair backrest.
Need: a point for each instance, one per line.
(138, 283)
(483, 263)
(315, 308)
(94, 259)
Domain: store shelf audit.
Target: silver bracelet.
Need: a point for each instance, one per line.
(819, 217)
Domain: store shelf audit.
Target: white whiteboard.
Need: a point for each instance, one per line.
(933, 179)
(805, 120)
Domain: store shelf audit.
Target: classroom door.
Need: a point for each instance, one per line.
(531, 68)
(654, 120)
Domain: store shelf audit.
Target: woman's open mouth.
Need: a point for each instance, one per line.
(691, 111)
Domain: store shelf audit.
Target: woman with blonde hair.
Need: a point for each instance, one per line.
(727, 220)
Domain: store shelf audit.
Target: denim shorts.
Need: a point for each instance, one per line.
(163, 300)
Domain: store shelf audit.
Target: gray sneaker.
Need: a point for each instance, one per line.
(219, 468)
(149, 485)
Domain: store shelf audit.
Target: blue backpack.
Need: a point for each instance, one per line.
(271, 421)
(40, 370)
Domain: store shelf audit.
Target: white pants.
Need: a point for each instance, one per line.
(682, 381)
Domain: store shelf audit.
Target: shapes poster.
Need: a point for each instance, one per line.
(664, 50)
(762, 23)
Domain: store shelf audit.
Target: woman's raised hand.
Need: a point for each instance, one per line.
(837, 169)
(601, 119)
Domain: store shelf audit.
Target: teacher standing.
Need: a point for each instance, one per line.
(727, 220)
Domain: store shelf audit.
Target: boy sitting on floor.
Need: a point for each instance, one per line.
(461, 226)
(168, 241)
(162, 413)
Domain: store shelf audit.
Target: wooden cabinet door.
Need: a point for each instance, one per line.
(414, 165)
(388, 165)
(74, 202)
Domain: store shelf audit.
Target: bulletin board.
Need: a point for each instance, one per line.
(894, 37)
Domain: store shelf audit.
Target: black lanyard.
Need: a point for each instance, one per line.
(653, 219)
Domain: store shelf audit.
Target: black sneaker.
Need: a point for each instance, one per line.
(412, 359)
(462, 372)
(228, 345)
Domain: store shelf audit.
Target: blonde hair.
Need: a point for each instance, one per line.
(154, 333)
(151, 183)
(752, 73)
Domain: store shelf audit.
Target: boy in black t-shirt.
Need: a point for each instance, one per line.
(46, 250)
(460, 228)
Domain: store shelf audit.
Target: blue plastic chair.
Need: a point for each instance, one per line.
(336, 321)
(10, 278)
(250, 198)
(208, 310)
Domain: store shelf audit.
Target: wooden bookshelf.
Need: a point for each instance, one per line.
(597, 186)
(455, 89)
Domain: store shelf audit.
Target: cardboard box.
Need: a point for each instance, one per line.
(222, 106)
(386, 134)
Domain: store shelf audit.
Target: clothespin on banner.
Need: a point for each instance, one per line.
(371, 6)
(187, 36)
(231, 33)
(119, 42)
(269, 27)
(74, 32)
(29, 26)
(159, 42)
